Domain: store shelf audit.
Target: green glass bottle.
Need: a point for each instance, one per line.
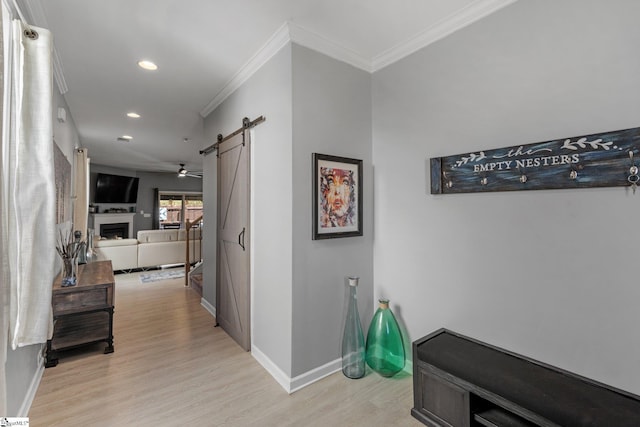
(385, 349)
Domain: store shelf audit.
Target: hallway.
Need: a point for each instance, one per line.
(172, 367)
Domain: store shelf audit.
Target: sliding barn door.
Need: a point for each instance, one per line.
(232, 290)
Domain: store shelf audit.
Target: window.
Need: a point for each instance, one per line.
(176, 207)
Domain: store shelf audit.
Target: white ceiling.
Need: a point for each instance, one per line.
(204, 48)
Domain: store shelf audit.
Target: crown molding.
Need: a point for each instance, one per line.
(321, 44)
(276, 42)
(58, 73)
(466, 16)
(34, 14)
(290, 32)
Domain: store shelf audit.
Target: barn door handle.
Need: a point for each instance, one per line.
(241, 238)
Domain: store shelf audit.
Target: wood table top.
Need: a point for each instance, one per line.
(97, 273)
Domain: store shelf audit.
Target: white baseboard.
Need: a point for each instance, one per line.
(292, 385)
(207, 306)
(316, 374)
(277, 373)
(33, 387)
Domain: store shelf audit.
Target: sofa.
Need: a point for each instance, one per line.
(152, 248)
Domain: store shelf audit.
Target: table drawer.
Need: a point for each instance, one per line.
(81, 299)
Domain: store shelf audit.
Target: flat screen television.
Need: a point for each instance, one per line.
(116, 189)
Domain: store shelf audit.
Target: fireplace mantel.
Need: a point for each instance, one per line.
(112, 218)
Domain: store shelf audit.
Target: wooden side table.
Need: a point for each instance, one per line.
(83, 314)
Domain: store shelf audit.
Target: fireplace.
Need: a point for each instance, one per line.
(98, 220)
(115, 230)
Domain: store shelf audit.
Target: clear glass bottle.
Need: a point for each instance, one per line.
(90, 250)
(353, 348)
(385, 349)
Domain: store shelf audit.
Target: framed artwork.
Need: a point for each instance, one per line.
(337, 197)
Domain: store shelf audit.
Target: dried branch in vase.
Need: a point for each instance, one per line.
(69, 246)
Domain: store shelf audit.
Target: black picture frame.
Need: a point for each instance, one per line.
(341, 215)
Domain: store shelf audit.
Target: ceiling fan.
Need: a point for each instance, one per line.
(182, 172)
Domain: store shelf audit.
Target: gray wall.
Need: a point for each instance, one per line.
(268, 93)
(149, 181)
(312, 103)
(22, 367)
(331, 115)
(550, 274)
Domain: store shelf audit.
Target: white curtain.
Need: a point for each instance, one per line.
(28, 178)
(81, 185)
(4, 234)
(27, 191)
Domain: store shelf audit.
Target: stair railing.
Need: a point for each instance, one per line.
(187, 264)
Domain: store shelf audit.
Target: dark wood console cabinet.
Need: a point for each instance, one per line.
(83, 314)
(462, 382)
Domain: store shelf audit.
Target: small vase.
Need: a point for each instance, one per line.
(69, 269)
(353, 350)
(385, 349)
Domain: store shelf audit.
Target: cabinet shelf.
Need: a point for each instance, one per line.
(498, 417)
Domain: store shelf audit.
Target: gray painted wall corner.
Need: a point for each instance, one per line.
(332, 115)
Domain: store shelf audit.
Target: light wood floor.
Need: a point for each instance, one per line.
(171, 367)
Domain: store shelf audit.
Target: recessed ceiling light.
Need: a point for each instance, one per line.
(133, 115)
(147, 65)
(125, 138)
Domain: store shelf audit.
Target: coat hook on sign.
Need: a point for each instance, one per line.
(523, 175)
(633, 173)
(448, 182)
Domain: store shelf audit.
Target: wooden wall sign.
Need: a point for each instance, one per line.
(607, 159)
